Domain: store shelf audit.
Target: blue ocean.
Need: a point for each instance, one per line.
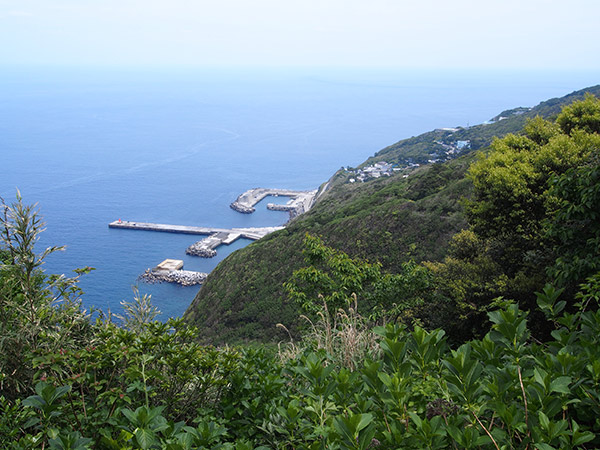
(178, 146)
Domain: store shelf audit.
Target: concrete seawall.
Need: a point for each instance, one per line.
(182, 277)
(300, 201)
(206, 247)
(186, 229)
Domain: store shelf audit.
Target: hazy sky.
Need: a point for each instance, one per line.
(551, 34)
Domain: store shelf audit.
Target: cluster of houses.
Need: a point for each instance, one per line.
(385, 169)
(377, 170)
(449, 150)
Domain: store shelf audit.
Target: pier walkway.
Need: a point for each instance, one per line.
(206, 247)
(250, 233)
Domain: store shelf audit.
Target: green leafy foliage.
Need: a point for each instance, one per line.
(583, 115)
(155, 386)
(533, 212)
(340, 278)
(502, 391)
(70, 441)
(139, 312)
(574, 228)
(336, 279)
(37, 312)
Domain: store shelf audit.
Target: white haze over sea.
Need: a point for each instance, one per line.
(94, 145)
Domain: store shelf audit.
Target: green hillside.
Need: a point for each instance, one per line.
(388, 220)
(434, 144)
(406, 216)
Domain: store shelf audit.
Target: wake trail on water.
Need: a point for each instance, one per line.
(196, 149)
(299, 132)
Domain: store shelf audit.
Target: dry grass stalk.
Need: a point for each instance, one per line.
(290, 350)
(345, 336)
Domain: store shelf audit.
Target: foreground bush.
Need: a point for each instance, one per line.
(158, 389)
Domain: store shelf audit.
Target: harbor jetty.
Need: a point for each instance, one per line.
(250, 233)
(300, 201)
(170, 271)
(205, 247)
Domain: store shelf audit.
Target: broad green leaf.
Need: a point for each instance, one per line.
(582, 438)
(543, 446)
(416, 419)
(561, 385)
(145, 437)
(364, 420)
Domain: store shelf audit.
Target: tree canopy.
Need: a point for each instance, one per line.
(533, 215)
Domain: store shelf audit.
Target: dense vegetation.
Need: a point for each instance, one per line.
(517, 365)
(391, 221)
(154, 386)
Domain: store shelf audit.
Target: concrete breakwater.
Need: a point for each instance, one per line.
(206, 247)
(300, 201)
(292, 207)
(170, 270)
(187, 229)
(182, 277)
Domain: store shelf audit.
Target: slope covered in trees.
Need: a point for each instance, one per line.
(421, 148)
(85, 384)
(390, 221)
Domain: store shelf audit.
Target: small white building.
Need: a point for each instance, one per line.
(463, 144)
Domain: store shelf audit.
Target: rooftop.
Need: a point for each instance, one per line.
(170, 264)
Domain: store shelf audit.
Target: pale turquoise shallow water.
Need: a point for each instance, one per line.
(170, 146)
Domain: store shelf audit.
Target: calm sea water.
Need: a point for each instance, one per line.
(177, 146)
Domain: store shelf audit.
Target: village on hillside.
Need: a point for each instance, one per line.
(385, 169)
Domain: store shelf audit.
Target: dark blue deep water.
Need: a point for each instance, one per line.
(169, 146)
